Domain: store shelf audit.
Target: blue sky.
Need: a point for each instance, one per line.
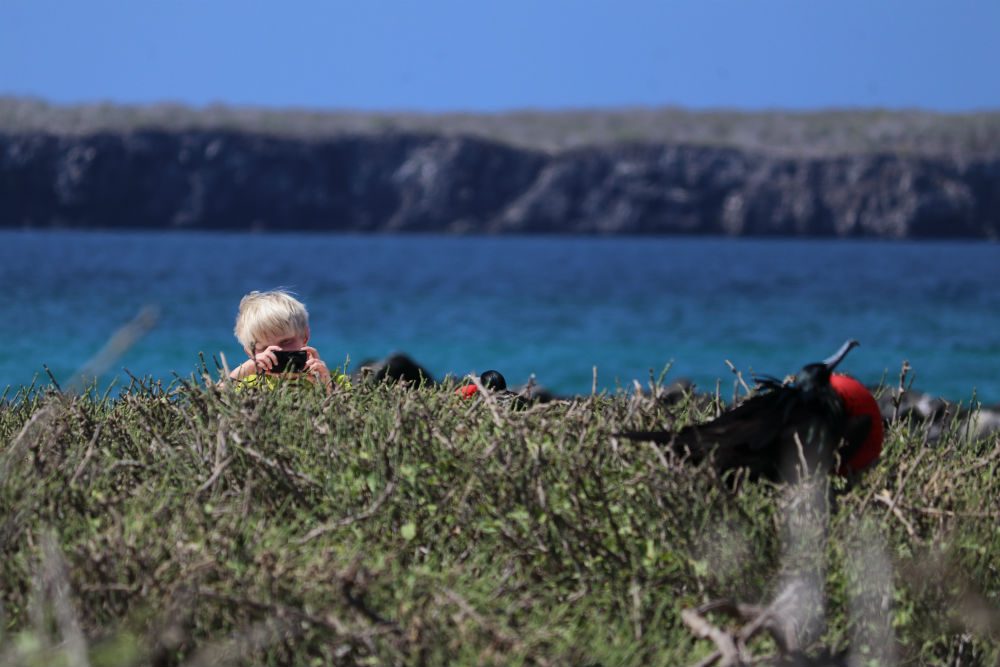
(454, 55)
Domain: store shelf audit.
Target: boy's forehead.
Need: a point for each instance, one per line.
(274, 335)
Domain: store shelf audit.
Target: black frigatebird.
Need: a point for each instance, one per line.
(819, 419)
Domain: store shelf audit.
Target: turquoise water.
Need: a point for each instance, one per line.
(555, 307)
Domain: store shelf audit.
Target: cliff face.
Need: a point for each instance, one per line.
(437, 183)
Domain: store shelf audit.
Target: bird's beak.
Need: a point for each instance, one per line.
(832, 362)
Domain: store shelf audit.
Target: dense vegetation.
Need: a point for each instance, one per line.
(194, 525)
(823, 132)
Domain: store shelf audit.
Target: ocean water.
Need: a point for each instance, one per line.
(552, 307)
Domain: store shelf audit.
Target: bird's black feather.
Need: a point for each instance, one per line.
(774, 431)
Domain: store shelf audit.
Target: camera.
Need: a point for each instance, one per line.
(290, 361)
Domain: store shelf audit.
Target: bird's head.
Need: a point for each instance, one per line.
(493, 381)
(816, 376)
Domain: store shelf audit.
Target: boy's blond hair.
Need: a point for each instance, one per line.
(274, 313)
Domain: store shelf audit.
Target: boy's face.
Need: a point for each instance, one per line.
(290, 342)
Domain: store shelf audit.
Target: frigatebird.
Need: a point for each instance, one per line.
(824, 420)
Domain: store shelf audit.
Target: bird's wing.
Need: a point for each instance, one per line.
(750, 425)
(735, 436)
(659, 437)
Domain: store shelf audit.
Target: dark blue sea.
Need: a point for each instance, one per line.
(552, 307)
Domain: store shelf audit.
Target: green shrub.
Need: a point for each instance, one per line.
(196, 525)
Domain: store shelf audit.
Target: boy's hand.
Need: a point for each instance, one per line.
(262, 362)
(317, 366)
(266, 361)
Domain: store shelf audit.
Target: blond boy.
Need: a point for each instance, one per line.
(272, 321)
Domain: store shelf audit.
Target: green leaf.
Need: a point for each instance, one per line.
(408, 531)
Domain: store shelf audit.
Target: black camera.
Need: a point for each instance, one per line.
(290, 361)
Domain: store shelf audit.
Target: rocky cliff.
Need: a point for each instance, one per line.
(420, 182)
